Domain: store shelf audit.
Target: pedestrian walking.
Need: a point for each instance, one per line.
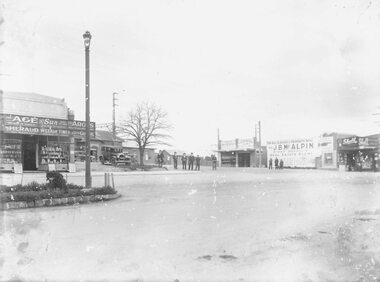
(162, 158)
(213, 160)
(276, 163)
(184, 160)
(197, 163)
(270, 163)
(175, 160)
(191, 162)
(281, 164)
(159, 158)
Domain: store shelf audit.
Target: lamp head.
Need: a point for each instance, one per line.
(87, 39)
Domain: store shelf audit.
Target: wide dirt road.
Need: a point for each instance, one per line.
(225, 225)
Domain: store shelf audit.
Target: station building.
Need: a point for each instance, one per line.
(38, 132)
(241, 153)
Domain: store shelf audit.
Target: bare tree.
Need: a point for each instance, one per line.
(146, 125)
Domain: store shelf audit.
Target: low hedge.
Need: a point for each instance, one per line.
(29, 196)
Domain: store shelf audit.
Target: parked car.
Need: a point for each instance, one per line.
(121, 158)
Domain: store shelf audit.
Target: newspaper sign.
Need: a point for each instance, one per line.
(43, 126)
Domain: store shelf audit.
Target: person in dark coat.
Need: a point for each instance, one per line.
(213, 160)
(184, 160)
(197, 163)
(161, 158)
(270, 163)
(175, 160)
(281, 164)
(159, 161)
(191, 162)
(276, 163)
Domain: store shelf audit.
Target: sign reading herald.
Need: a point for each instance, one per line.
(43, 126)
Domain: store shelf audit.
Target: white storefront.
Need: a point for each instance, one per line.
(301, 153)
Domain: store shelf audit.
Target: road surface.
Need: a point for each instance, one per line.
(225, 225)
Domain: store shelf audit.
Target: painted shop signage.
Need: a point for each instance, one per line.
(43, 126)
(294, 152)
(353, 141)
(237, 144)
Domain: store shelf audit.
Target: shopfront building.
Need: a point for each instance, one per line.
(37, 133)
(241, 153)
(37, 143)
(357, 153)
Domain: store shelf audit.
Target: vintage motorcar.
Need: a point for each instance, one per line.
(121, 159)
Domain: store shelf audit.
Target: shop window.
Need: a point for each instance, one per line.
(10, 153)
(328, 158)
(52, 138)
(54, 153)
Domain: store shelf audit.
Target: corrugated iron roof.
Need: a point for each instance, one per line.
(103, 135)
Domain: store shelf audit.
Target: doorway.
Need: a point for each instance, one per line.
(29, 153)
(244, 160)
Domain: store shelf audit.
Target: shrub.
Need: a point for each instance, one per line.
(56, 180)
(74, 186)
(32, 186)
(5, 189)
(104, 190)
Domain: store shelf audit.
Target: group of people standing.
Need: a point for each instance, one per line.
(160, 158)
(277, 164)
(187, 161)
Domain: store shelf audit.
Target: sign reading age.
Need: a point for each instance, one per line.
(43, 126)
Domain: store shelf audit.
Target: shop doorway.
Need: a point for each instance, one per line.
(244, 160)
(29, 153)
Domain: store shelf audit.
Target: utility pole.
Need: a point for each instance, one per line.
(259, 128)
(114, 113)
(255, 138)
(87, 40)
(219, 148)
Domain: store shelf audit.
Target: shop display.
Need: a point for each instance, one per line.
(10, 152)
(80, 151)
(54, 153)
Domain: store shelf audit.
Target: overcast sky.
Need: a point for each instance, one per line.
(301, 67)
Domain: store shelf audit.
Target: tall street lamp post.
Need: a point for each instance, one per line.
(87, 40)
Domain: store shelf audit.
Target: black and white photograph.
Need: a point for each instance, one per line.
(189, 140)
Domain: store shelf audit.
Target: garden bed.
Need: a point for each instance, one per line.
(56, 192)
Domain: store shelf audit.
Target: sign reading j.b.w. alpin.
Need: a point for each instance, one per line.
(294, 153)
